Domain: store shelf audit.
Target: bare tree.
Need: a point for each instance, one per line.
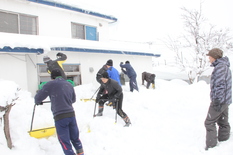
(7, 110)
(199, 37)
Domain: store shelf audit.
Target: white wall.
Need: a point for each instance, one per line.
(32, 77)
(87, 60)
(13, 68)
(53, 21)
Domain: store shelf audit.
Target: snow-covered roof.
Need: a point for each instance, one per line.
(71, 5)
(39, 43)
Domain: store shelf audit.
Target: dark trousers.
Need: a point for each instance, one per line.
(67, 132)
(118, 105)
(133, 83)
(221, 118)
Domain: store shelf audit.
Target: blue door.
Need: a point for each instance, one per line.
(91, 33)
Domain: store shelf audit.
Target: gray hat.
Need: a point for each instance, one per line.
(215, 53)
(46, 59)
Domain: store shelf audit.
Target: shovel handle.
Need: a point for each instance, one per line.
(34, 108)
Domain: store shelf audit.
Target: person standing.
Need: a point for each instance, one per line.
(53, 64)
(62, 96)
(131, 74)
(112, 72)
(221, 98)
(111, 91)
(149, 78)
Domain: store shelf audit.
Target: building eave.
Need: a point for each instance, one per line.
(103, 51)
(21, 50)
(76, 9)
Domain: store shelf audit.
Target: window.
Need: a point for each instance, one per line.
(80, 31)
(72, 72)
(18, 23)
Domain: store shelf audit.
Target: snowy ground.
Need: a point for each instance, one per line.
(168, 120)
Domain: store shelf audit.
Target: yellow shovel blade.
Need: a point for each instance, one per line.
(41, 133)
(85, 99)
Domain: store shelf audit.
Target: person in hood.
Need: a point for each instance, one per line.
(62, 96)
(99, 74)
(129, 71)
(112, 72)
(111, 91)
(56, 64)
(221, 98)
(149, 78)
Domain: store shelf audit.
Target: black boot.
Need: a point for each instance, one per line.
(100, 112)
(127, 122)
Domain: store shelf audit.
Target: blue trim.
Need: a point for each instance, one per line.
(21, 50)
(64, 64)
(102, 51)
(67, 7)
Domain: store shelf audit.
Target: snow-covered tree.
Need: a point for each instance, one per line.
(199, 37)
(7, 101)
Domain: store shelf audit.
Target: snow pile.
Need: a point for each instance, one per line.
(166, 120)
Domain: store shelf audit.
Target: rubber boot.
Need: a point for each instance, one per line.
(127, 121)
(80, 152)
(100, 113)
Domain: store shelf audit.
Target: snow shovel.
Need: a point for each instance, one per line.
(90, 99)
(87, 99)
(43, 132)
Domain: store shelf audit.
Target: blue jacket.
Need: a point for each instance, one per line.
(61, 94)
(129, 70)
(221, 81)
(114, 74)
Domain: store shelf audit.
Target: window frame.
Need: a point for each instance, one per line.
(84, 31)
(20, 28)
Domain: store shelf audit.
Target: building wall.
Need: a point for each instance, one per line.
(96, 61)
(31, 73)
(13, 68)
(53, 21)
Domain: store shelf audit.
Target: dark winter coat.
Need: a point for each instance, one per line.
(53, 64)
(221, 81)
(112, 88)
(114, 74)
(129, 70)
(61, 94)
(149, 78)
(100, 72)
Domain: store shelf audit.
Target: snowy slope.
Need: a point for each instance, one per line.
(168, 120)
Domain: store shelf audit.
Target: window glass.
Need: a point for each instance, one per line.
(28, 25)
(8, 22)
(18, 23)
(78, 31)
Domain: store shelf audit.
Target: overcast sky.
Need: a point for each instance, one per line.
(147, 20)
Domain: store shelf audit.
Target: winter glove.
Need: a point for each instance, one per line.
(59, 54)
(41, 103)
(217, 105)
(112, 102)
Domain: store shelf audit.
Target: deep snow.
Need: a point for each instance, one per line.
(167, 120)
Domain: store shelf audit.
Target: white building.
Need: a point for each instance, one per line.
(31, 29)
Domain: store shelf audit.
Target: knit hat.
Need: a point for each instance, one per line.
(55, 73)
(105, 75)
(215, 53)
(109, 62)
(127, 62)
(46, 59)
